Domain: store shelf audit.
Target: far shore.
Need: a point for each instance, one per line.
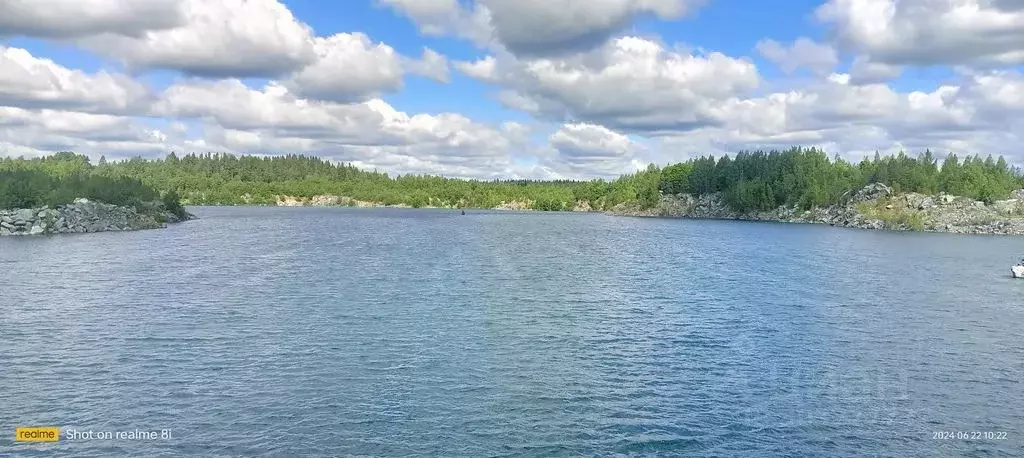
(875, 207)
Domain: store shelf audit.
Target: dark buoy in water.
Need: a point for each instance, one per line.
(463, 212)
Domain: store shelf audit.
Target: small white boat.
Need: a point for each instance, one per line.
(1017, 271)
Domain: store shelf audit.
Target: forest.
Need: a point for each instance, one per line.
(60, 178)
(225, 179)
(748, 181)
(806, 178)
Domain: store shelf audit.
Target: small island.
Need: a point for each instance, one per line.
(64, 192)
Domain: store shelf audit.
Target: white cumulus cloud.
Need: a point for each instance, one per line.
(536, 27)
(31, 82)
(802, 53)
(224, 38)
(274, 119)
(929, 32)
(630, 83)
(78, 18)
(593, 98)
(349, 67)
(588, 149)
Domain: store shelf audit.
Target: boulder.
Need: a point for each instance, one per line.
(872, 191)
(36, 230)
(926, 203)
(24, 214)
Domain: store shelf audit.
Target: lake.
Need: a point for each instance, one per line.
(384, 332)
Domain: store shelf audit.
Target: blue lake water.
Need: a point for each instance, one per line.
(384, 332)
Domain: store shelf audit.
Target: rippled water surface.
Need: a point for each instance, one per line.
(335, 332)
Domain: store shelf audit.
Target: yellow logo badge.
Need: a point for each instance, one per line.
(37, 434)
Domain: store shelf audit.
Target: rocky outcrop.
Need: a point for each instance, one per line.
(707, 206)
(330, 201)
(84, 215)
(343, 201)
(582, 206)
(516, 205)
(875, 206)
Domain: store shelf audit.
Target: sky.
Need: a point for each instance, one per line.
(511, 88)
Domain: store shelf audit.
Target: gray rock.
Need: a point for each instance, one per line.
(925, 204)
(872, 191)
(24, 214)
(943, 213)
(83, 216)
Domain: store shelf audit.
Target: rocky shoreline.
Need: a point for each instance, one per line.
(344, 201)
(82, 216)
(875, 206)
(330, 201)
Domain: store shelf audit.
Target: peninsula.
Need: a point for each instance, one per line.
(63, 193)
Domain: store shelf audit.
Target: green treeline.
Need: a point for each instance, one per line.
(228, 179)
(61, 178)
(806, 178)
(748, 181)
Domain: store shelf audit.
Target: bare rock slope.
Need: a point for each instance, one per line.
(875, 206)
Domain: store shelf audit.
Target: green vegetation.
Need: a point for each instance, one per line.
(748, 181)
(806, 178)
(60, 178)
(223, 179)
(894, 216)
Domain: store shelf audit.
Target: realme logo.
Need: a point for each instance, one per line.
(37, 434)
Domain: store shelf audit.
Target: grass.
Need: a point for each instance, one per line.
(897, 217)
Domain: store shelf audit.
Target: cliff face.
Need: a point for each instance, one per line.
(875, 206)
(84, 216)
